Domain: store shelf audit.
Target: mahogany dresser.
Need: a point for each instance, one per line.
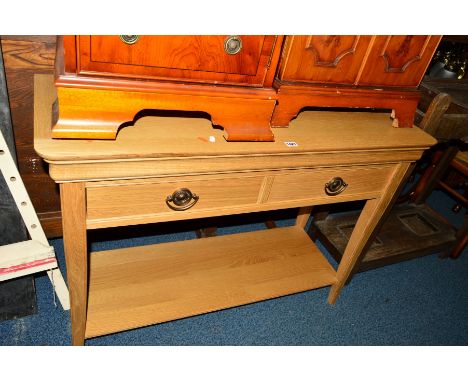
(104, 81)
(352, 71)
(172, 169)
(246, 84)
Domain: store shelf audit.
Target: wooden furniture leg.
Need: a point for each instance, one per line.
(462, 241)
(98, 114)
(73, 202)
(436, 172)
(366, 227)
(303, 216)
(317, 216)
(293, 98)
(206, 232)
(270, 224)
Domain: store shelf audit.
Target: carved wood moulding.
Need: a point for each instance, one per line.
(330, 50)
(401, 51)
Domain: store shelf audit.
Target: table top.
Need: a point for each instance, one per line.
(159, 137)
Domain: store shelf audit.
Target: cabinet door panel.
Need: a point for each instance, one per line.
(198, 58)
(398, 60)
(332, 59)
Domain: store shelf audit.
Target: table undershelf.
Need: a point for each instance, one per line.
(139, 286)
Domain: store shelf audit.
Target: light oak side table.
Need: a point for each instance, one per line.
(171, 169)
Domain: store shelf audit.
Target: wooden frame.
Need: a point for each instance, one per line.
(292, 98)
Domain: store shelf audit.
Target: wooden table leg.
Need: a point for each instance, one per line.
(366, 227)
(303, 216)
(73, 202)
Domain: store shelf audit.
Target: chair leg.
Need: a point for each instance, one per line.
(459, 247)
(206, 232)
(462, 240)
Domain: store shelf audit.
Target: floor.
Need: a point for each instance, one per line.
(423, 301)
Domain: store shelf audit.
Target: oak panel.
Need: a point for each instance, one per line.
(134, 287)
(144, 198)
(76, 255)
(126, 202)
(304, 185)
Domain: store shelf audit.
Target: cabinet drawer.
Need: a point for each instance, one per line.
(361, 183)
(139, 198)
(197, 58)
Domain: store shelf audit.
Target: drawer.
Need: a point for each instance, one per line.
(114, 203)
(197, 58)
(127, 200)
(309, 185)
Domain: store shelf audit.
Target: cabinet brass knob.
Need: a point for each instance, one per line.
(181, 199)
(129, 38)
(232, 45)
(335, 186)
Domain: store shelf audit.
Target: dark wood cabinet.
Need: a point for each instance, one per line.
(25, 56)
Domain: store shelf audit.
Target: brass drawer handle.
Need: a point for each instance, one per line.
(335, 186)
(232, 45)
(129, 38)
(181, 199)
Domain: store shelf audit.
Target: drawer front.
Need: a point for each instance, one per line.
(361, 183)
(114, 203)
(146, 198)
(196, 58)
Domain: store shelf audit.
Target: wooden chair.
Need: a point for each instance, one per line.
(451, 176)
(448, 171)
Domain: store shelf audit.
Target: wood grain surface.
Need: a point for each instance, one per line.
(75, 243)
(191, 58)
(371, 217)
(329, 59)
(23, 57)
(398, 60)
(315, 131)
(144, 200)
(134, 287)
(360, 60)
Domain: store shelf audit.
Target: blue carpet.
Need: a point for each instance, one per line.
(423, 301)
